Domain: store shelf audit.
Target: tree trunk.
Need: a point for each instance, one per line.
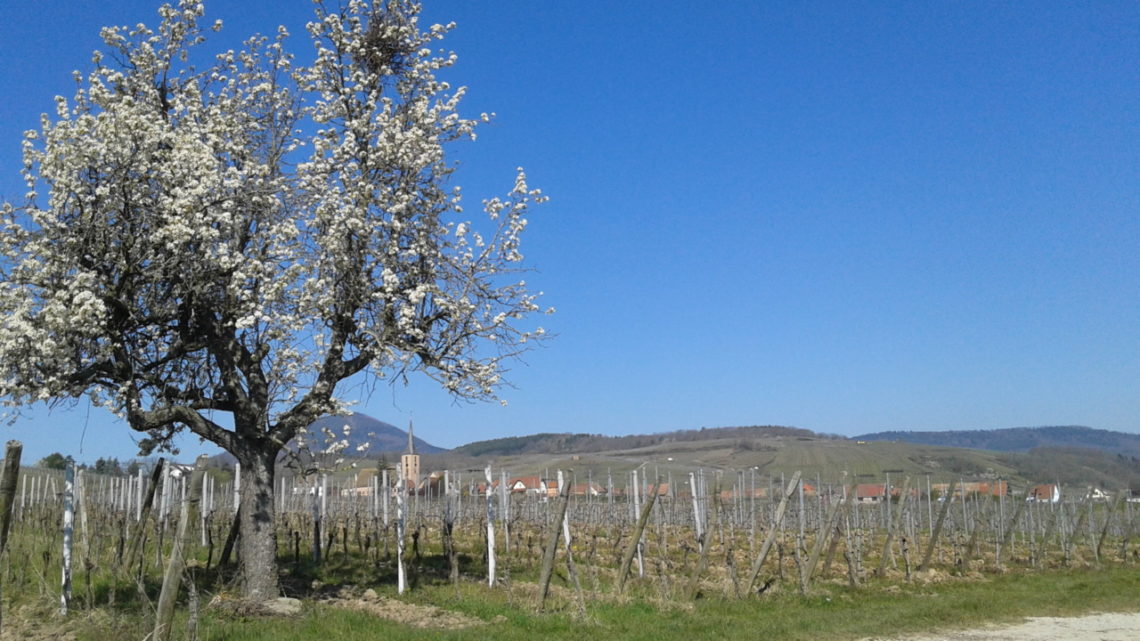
(258, 542)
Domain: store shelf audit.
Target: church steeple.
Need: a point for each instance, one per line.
(410, 462)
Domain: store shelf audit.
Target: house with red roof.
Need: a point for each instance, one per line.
(870, 492)
(1048, 493)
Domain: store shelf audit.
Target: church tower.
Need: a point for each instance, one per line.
(410, 462)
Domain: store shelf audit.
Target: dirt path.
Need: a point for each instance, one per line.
(1093, 627)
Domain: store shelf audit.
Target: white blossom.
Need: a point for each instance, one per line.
(242, 236)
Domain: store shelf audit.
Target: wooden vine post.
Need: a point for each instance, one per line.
(848, 498)
(8, 477)
(1113, 508)
(138, 538)
(827, 531)
(570, 567)
(972, 543)
(448, 529)
(947, 499)
(172, 578)
(700, 515)
(893, 526)
(1050, 528)
(1008, 533)
(773, 530)
(635, 542)
(551, 546)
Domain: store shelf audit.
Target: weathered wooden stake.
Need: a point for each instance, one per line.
(1104, 531)
(1009, 530)
(1050, 527)
(635, 542)
(827, 531)
(505, 511)
(139, 535)
(947, 499)
(172, 579)
(231, 539)
(315, 513)
(892, 526)
(773, 530)
(972, 544)
(448, 530)
(570, 567)
(551, 546)
(8, 476)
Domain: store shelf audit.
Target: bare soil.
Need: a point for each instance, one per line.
(411, 614)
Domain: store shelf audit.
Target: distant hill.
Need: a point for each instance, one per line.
(564, 443)
(376, 435)
(773, 451)
(379, 438)
(1076, 466)
(1074, 456)
(1021, 439)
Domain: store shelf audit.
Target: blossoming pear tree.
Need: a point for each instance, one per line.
(212, 244)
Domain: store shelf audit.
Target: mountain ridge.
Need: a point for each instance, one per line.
(583, 443)
(1019, 439)
(369, 435)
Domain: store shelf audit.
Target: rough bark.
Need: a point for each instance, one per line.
(8, 477)
(258, 542)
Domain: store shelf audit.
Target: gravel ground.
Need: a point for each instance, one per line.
(1093, 627)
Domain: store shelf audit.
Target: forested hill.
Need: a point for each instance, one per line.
(1021, 439)
(583, 443)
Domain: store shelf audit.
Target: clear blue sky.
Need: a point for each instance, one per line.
(842, 216)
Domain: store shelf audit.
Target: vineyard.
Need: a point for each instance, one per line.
(166, 536)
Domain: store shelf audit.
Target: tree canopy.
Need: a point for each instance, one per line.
(236, 238)
(54, 461)
(109, 466)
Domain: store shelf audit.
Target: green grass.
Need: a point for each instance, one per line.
(829, 612)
